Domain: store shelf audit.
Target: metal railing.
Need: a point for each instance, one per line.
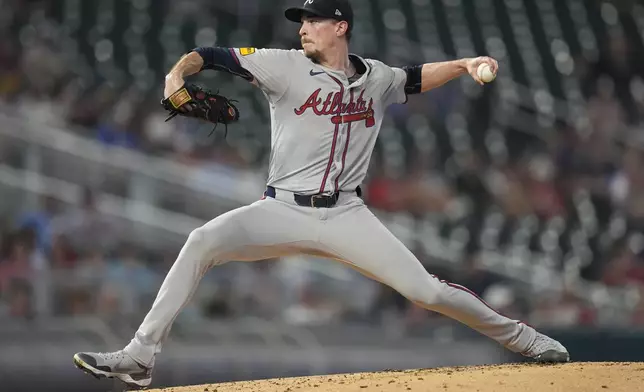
(148, 225)
(160, 182)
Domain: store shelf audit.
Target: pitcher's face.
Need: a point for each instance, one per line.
(319, 35)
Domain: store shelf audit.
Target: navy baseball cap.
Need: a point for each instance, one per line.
(332, 9)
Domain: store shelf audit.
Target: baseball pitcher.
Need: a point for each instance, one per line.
(327, 106)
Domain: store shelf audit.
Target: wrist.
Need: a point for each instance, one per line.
(463, 65)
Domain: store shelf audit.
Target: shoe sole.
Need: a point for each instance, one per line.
(553, 356)
(99, 374)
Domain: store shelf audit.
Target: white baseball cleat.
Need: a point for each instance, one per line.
(115, 365)
(547, 350)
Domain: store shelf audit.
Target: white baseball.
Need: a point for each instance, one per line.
(485, 73)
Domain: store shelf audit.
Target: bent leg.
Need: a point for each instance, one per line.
(262, 230)
(358, 238)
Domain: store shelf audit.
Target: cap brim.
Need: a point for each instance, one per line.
(295, 14)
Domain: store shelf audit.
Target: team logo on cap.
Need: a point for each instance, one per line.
(308, 2)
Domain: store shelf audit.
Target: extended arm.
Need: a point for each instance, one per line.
(429, 76)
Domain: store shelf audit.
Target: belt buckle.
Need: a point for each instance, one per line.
(314, 197)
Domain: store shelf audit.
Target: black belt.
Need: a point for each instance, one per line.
(315, 201)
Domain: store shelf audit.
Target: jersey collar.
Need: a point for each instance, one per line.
(361, 66)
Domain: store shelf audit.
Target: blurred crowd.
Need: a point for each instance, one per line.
(72, 262)
(565, 191)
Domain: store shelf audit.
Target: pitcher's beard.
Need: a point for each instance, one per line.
(314, 56)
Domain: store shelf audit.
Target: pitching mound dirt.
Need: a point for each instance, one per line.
(581, 377)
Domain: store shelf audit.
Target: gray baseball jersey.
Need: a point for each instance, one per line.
(323, 132)
(324, 128)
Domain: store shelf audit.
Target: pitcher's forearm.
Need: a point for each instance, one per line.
(437, 74)
(189, 64)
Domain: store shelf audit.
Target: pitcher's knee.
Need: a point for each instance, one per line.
(424, 294)
(213, 239)
(199, 247)
(196, 238)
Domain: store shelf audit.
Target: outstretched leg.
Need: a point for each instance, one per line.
(358, 238)
(265, 229)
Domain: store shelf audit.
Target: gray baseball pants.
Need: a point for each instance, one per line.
(347, 232)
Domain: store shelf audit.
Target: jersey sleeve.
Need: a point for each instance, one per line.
(395, 78)
(268, 67)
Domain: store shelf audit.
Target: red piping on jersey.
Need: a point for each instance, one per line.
(335, 138)
(328, 166)
(344, 156)
(232, 51)
(346, 148)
